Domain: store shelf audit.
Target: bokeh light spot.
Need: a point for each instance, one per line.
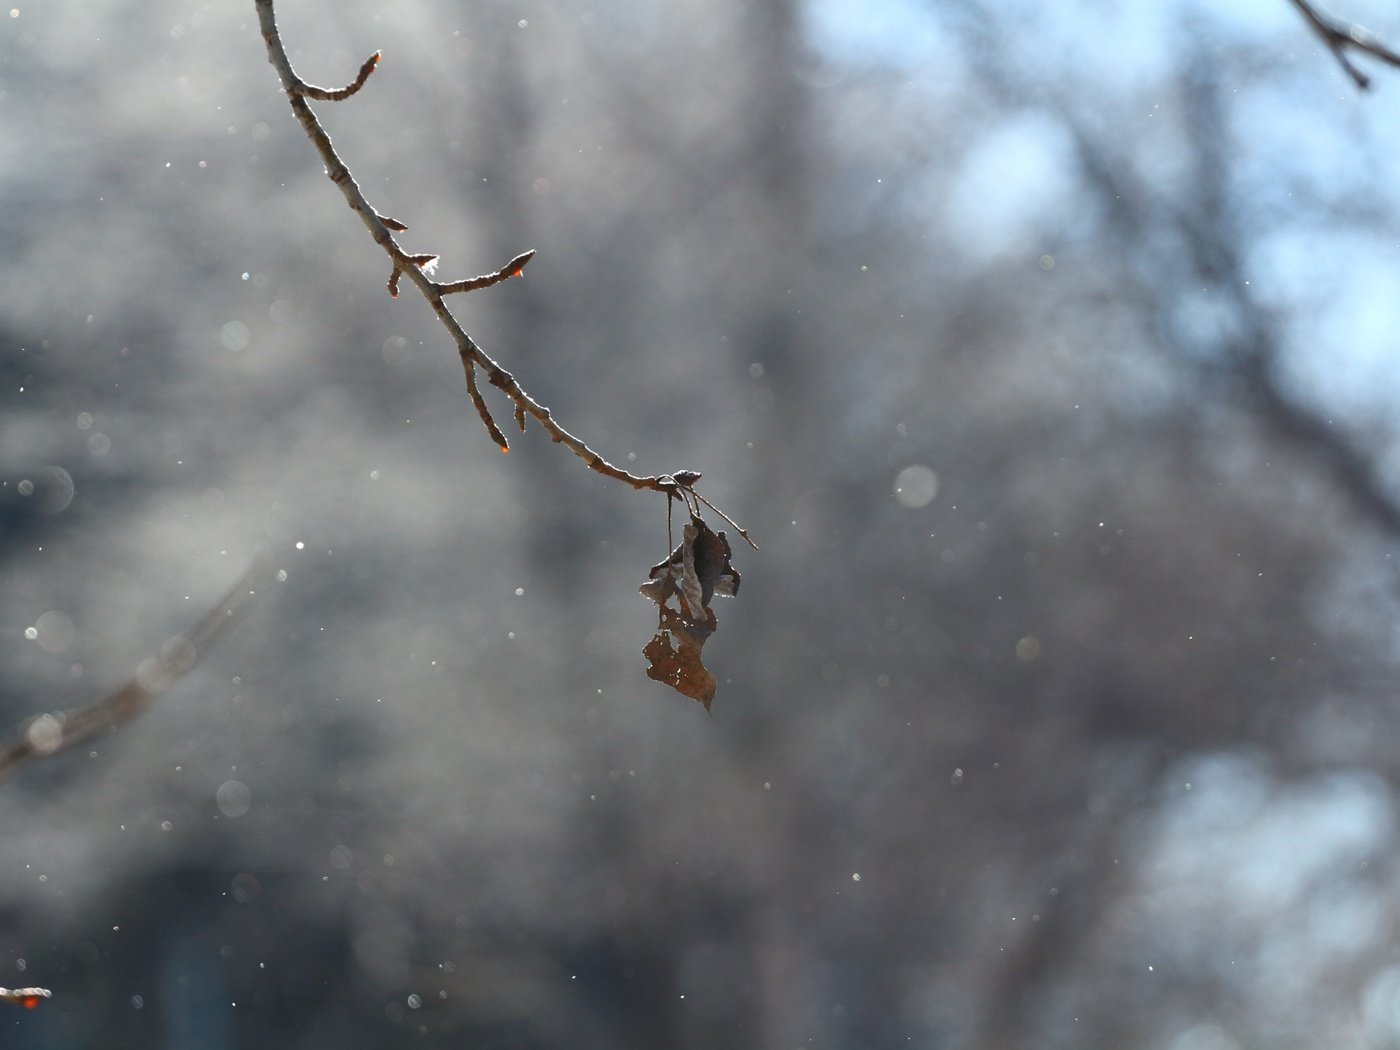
(234, 798)
(235, 336)
(54, 631)
(915, 486)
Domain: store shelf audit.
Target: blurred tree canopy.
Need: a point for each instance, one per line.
(1046, 350)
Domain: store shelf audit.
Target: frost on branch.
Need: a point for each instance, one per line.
(682, 587)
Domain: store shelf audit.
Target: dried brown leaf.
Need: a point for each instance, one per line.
(693, 573)
(673, 659)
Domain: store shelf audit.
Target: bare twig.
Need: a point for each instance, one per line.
(483, 411)
(514, 268)
(681, 486)
(340, 94)
(415, 268)
(1339, 36)
(47, 734)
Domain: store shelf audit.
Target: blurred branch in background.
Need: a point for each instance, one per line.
(1340, 36)
(48, 734)
(1246, 362)
(1183, 247)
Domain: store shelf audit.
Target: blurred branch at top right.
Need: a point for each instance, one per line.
(1341, 36)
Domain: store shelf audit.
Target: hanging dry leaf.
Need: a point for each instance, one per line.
(697, 570)
(673, 658)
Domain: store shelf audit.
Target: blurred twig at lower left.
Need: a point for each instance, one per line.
(49, 733)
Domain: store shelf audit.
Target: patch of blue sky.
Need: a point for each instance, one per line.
(1013, 188)
(1247, 17)
(1290, 137)
(1240, 840)
(897, 33)
(1334, 292)
(1116, 41)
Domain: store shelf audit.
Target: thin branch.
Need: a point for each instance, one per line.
(681, 486)
(297, 91)
(737, 527)
(1339, 36)
(48, 734)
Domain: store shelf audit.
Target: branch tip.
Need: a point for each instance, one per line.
(482, 410)
(340, 94)
(514, 268)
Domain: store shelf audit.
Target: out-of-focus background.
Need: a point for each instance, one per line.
(1048, 351)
